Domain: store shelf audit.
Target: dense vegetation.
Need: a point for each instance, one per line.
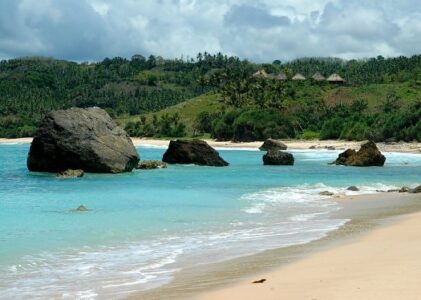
(216, 95)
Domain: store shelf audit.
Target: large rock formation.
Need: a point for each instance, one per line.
(368, 155)
(271, 144)
(277, 158)
(86, 139)
(193, 152)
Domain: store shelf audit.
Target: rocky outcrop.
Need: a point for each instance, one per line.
(368, 155)
(271, 144)
(278, 158)
(196, 152)
(86, 139)
(416, 190)
(69, 173)
(151, 164)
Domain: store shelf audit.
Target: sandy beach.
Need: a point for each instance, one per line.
(384, 264)
(414, 147)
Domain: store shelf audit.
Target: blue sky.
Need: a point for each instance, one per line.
(89, 30)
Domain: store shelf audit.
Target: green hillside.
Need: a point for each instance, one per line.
(220, 96)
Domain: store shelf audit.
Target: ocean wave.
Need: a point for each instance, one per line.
(306, 193)
(115, 271)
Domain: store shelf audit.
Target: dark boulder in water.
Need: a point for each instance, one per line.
(278, 158)
(151, 164)
(86, 139)
(368, 155)
(416, 190)
(404, 189)
(353, 188)
(196, 152)
(271, 144)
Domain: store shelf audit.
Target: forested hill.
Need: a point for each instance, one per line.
(30, 87)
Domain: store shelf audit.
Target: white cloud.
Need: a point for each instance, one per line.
(258, 30)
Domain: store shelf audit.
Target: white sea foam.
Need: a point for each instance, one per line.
(115, 271)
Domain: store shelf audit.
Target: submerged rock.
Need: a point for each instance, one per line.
(271, 144)
(81, 208)
(69, 173)
(86, 139)
(368, 155)
(416, 190)
(353, 188)
(278, 158)
(326, 193)
(196, 152)
(151, 164)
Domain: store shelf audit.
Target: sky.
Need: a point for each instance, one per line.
(258, 30)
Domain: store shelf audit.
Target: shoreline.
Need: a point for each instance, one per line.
(400, 147)
(232, 279)
(383, 263)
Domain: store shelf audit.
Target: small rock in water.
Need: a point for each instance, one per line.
(312, 147)
(393, 191)
(260, 281)
(353, 188)
(326, 193)
(416, 190)
(69, 173)
(151, 164)
(404, 189)
(330, 148)
(82, 208)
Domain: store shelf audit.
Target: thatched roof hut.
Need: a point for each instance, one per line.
(335, 78)
(261, 74)
(318, 77)
(281, 76)
(298, 76)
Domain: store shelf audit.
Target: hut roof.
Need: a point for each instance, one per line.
(335, 78)
(261, 74)
(298, 76)
(318, 77)
(281, 76)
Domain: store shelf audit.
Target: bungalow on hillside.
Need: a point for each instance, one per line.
(298, 77)
(281, 76)
(318, 77)
(335, 78)
(261, 74)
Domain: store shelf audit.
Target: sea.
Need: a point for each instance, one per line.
(144, 227)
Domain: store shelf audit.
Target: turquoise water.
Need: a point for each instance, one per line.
(146, 225)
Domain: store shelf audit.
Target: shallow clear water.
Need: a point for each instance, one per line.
(146, 225)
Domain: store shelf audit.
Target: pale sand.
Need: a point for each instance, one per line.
(383, 264)
(413, 147)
